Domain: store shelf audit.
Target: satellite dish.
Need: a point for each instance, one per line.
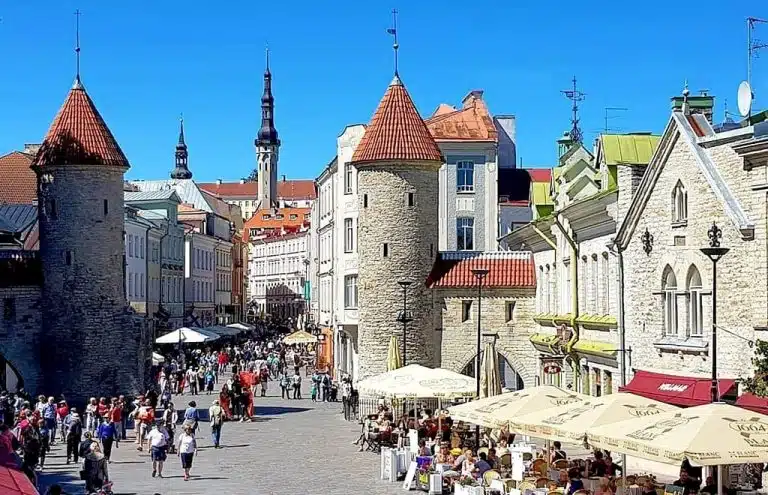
(745, 98)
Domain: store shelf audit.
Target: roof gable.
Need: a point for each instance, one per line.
(79, 136)
(396, 132)
(471, 123)
(678, 128)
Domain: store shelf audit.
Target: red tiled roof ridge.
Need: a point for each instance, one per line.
(79, 135)
(485, 255)
(397, 131)
(505, 269)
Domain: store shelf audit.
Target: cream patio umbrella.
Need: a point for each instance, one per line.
(571, 421)
(393, 354)
(499, 410)
(300, 337)
(186, 335)
(416, 381)
(708, 435)
(490, 378)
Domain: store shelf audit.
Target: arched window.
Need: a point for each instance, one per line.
(695, 320)
(669, 286)
(679, 203)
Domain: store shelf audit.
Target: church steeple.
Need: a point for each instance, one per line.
(267, 133)
(181, 171)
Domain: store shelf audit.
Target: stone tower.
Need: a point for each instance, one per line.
(397, 164)
(90, 346)
(182, 167)
(267, 146)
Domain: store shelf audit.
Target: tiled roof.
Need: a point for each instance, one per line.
(271, 219)
(218, 205)
(540, 174)
(79, 136)
(396, 132)
(508, 269)
(472, 123)
(292, 189)
(18, 183)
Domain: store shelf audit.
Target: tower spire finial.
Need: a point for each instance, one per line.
(393, 32)
(181, 130)
(267, 55)
(576, 96)
(77, 15)
(686, 108)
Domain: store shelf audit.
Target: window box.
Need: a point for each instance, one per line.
(687, 345)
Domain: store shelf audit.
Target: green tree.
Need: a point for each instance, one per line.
(758, 384)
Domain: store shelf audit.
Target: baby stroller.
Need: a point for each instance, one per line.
(334, 392)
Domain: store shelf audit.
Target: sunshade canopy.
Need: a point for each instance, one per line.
(707, 435)
(300, 337)
(187, 335)
(683, 391)
(571, 421)
(499, 410)
(14, 482)
(416, 381)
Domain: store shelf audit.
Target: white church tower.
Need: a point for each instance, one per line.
(267, 146)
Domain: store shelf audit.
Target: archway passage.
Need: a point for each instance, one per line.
(10, 378)
(510, 378)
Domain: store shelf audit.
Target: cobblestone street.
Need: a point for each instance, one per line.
(293, 447)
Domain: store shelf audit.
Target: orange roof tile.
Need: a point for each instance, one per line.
(292, 189)
(506, 269)
(276, 218)
(396, 132)
(18, 183)
(540, 174)
(79, 136)
(472, 123)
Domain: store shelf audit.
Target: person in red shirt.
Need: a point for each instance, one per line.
(61, 412)
(116, 415)
(102, 408)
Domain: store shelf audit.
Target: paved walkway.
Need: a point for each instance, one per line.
(294, 447)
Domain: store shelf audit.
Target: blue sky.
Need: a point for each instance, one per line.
(146, 62)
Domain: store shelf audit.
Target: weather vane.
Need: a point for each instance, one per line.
(77, 40)
(393, 32)
(576, 96)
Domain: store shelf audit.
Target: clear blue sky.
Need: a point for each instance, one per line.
(145, 62)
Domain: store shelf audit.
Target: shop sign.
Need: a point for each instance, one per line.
(673, 387)
(552, 368)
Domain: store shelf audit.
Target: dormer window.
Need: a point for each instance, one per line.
(679, 204)
(265, 217)
(293, 216)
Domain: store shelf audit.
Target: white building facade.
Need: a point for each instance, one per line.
(136, 238)
(199, 279)
(223, 281)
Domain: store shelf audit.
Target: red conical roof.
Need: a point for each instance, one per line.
(79, 136)
(396, 131)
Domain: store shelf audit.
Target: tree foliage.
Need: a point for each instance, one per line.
(758, 384)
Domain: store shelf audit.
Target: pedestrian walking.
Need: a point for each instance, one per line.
(191, 417)
(61, 415)
(95, 471)
(91, 415)
(74, 434)
(107, 435)
(297, 385)
(49, 416)
(158, 444)
(187, 450)
(263, 379)
(216, 415)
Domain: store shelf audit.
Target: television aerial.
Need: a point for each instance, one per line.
(745, 97)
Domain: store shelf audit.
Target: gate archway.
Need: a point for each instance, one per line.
(10, 378)
(510, 378)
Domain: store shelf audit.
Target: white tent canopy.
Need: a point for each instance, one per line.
(241, 326)
(157, 358)
(416, 381)
(186, 335)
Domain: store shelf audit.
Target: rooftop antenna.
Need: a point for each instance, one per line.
(608, 117)
(576, 96)
(728, 115)
(77, 41)
(393, 32)
(753, 45)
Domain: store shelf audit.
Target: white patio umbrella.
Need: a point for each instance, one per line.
(416, 381)
(490, 378)
(186, 335)
(157, 358)
(708, 435)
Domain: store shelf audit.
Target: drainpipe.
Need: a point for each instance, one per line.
(146, 281)
(574, 296)
(619, 253)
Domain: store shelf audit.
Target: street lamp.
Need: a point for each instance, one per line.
(714, 252)
(480, 274)
(403, 317)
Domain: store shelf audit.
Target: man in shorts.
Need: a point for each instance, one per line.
(158, 446)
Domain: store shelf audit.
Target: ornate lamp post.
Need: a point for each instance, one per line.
(403, 316)
(714, 252)
(480, 274)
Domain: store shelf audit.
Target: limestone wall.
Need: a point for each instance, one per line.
(411, 237)
(20, 332)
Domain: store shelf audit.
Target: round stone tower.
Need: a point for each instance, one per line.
(397, 164)
(90, 346)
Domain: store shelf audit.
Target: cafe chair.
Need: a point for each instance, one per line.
(542, 482)
(560, 464)
(489, 476)
(539, 467)
(506, 460)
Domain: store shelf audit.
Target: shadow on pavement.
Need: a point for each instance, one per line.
(278, 410)
(69, 482)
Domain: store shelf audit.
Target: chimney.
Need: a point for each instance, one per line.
(218, 182)
(702, 103)
(283, 178)
(469, 100)
(31, 148)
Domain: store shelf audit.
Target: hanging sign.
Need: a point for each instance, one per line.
(552, 368)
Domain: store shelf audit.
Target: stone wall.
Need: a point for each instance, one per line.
(20, 333)
(741, 273)
(411, 236)
(90, 347)
(459, 338)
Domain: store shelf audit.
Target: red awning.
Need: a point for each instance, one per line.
(14, 482)
(676, 390)
(753, 403)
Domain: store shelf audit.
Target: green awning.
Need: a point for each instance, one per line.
(545, 342)
(597, 321)
(596, 348)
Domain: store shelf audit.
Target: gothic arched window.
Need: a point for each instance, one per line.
(679, 203)
(669, 295)
(695, 320)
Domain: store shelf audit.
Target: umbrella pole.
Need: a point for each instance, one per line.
(624, 472)
(719, 479)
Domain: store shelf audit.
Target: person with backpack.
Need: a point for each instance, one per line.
(74, 434)
(216, 415)
(31, 445)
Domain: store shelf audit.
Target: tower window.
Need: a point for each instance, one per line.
(431, 250)
(385, 250)
(365, 201)
(509, 310)
(52, 207)
(106, 207)
(466, 308)
(411, 199)
(68, 258)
